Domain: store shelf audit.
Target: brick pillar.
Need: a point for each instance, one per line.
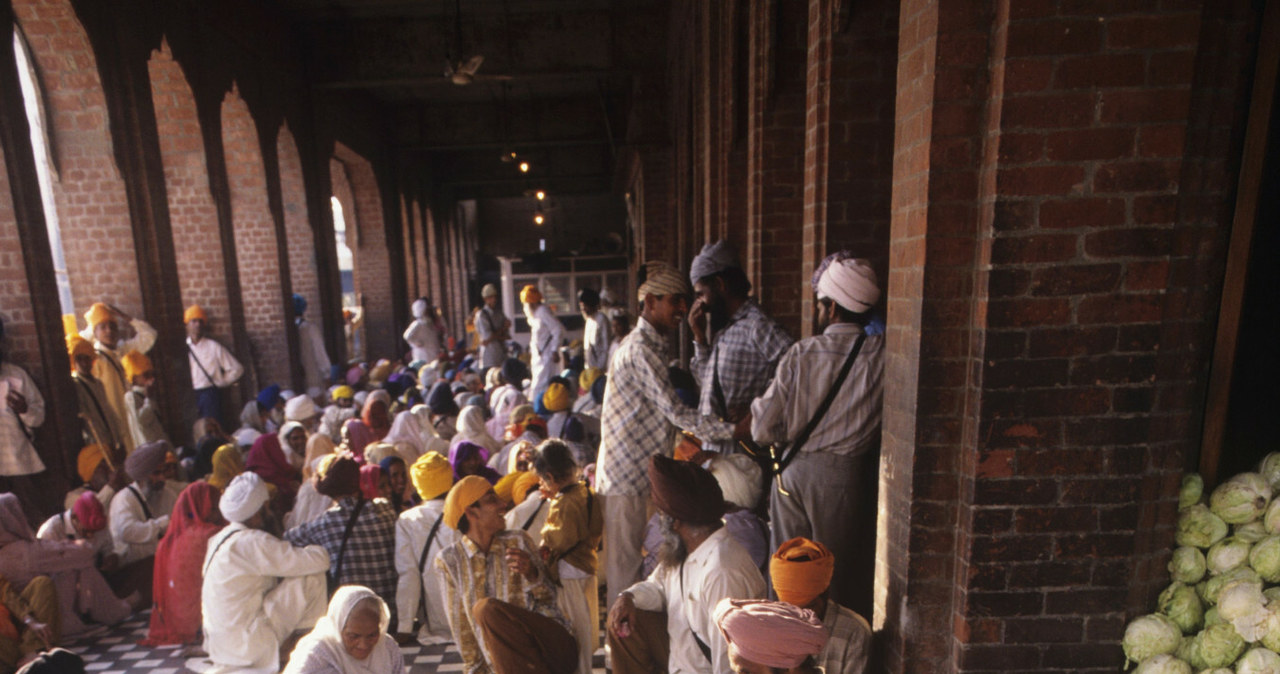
(301, 242)
(373, 259)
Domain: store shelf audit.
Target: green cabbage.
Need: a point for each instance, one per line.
(1220, 645)
(1265, 559)
(1210, 589)
(1152, 635)
(1182, 605)
(1271, 630)
(1187, 565)
(1163, 664)
(1269, 469)
(1241, 499)
(1198, 527)
(1227, 554)
(1192, 491)
(1272, 594)
(1211, 617)
(1252, 532)
(1271, 519)
(1258, 661)
(1242, 604)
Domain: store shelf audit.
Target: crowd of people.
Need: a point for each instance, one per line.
(467, 496)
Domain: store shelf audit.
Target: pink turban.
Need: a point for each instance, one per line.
(88, 509)
(770, 633)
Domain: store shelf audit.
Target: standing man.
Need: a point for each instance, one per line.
(425, 335)
(21, 412)
(545, 333)
(595, 331)
(314, 357)
(493, 329)
(212, 366)
(736, 347)
(104, 331)
(818, 493)
(641, 417)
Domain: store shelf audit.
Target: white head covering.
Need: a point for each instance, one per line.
(419, 308)
(661, 279)
(714, 258)
(295, 460)
(243, 498)
(739, 479)
(322, 649)
(851, 283)
(359, 399)
(408, 433)
(489, 290)
(245, 437)
(471, 427)
(606, 297)
(300, 408)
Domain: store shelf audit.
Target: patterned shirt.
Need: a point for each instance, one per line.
(370, 556)
(641, 414)
(469, 574)
(849, 641)
(744, 354)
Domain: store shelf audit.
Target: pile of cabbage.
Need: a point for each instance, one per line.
(1221, 613)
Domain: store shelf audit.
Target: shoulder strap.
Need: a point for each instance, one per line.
(200, 365)
(702, 645)
(346, 534)
(717, 391)
(533, 515)
(111, 359)
(803, 437)
(205, 572)
(435, 528)
(141, 501)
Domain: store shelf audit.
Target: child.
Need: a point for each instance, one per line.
(575, 523)
(144, 422)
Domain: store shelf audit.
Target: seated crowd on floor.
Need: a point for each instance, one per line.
(480, 495)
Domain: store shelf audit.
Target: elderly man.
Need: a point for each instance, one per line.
(314, 357)
(801, 572)
(21, 412)
(545, 333)
(736, 347)
(595, 330)
(500, 600)
(420, 536)
(699, 564)
(104, 331)
(213, 368)
(492, 328)
(139, 513)
(829, 455)
(770, 637)
(641, 417)
(258, 589)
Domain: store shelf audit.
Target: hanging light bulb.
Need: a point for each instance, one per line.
(540, 195)
(538, 219)
(524, 167)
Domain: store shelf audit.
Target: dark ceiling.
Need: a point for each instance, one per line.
(555, 86)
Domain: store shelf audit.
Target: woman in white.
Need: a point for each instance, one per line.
(350, 639)
(471, 427)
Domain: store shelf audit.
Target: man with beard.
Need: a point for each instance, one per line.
(699, 564)
(545, 333)
(140, 511)
(736, 347)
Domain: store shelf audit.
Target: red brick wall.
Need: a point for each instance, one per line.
(256, 254)
(301, 241)
(372, 259)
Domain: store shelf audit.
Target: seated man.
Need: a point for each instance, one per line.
(140, 511)
(85, 521)
(699, 564)
(770, 636)
(30, 623)
(801, 570)
(499, 598)
(257, 589)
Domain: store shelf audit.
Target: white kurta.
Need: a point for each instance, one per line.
(308, 506)
(720, 568)
(595, 341)
(109, 369)
(136, 536)
(544, 339)
(314, 357)
(423, 337)
(412, 530)
(534, 505)
(143, 417)
(58, 528)
(208, 358)
(17, 454)
(258, 589)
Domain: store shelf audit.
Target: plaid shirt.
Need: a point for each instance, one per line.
(745, 353)
(849, 641)
(642, 414)
(370, 557)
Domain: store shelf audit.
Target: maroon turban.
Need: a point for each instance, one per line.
(685, 491)
(342, 478)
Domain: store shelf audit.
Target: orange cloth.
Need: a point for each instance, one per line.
(194, 312)
(89, 459)
(528, 480)
(135, 363)
(98, 313)
(464, 494)
(801, 570)
(7, 628)
(530, 294)
(78, 346)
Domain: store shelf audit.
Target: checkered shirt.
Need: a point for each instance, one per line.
(641, 414)
(370, 557)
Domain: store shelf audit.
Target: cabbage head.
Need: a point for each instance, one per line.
(1210, 589)
(1271, 519)
(1265, 559)
(1192, 491)
(1199, 527)
(1187, 565)
(1269, 469)
(1217, 670)
(1220, 645)
(1241, 499)
(1189, 651)
(1227, 554)
(1153, 635)
(1258, 661)
(1271, 634)
(1253, 531)
(1242, 604)
(1163, 664)
(1182, 605)
(1211, 617)
(1272, 594)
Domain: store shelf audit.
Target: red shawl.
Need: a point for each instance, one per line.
(175, 618)
(266, 458)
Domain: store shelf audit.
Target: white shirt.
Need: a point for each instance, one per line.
(545, 334)
(423, 338)
(412, 530)
(208, 355)
(595, 341)
(238, 630)
(534, 505)
(719, 568)
(109, 369)
(144, 421)
(315, 359)
(136, 536)
(308, 506)
(17, 455)
(59, 528)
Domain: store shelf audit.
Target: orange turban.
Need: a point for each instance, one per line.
(88, 461)
(801, 570)
(463, 495)
(505, 486)
(78, 346)
(98, 313)
(194, 312)
(556, 398)
(530, 294)
(135, 363)
(527, 481)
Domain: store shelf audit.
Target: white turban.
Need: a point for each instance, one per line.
(739, 479)
(661, 279)
(300, 408)
(851, 283)
(419, 308)
(714, 258)
(489, 290)
(243, 498)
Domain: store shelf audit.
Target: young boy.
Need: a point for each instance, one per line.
(140, 408)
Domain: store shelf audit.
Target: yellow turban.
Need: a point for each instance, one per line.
(530, 294)
(227, 463)
(194, 312)
(78, 346)
(431, 475)
(380, 371)
(588, 377)
(556, 398)
(463, 495)
(69, 326)
(135, 363)
(343, 392)
(98, 313)
(505, 486)
(801, 570)
(88, 461)
(527, 480)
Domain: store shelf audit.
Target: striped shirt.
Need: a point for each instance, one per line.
(370, 556)
(469, 574)
(641, 414)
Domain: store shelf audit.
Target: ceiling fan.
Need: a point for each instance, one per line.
(463, 71)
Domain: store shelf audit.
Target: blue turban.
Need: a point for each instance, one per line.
(597, 389)
(269, 397)
(299, 305)
(440, 399)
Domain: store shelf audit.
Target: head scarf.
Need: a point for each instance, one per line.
(294, 460)
(267, 459)
(801, 570)
(227, 464)
(88, 509)
(98, 314)
(530, 294)
(146, 459)
(376, 418)
(418, 308)
(299, 305)
(375, 452)
(770, 633)
(739, 478)
(525, 482)
(323, 645)
(471, 427)
(851, 283)
(380, 371)
(489, 290)
(251, 417)
(661, 279)
(440, 399)
(589, 377)
(135, 363)
(714, 258)
(179, 563)
(354, 375)
(243, 498)
(319, 445)
(685, 491)
(556, 398)
(300, 408)
(431, 475)
(342, 478)
(408, 431)
(269, 397)
(464, 493)
(343, 391)
(194, 312)
(370, 473)
(463, 451)
(88, 461)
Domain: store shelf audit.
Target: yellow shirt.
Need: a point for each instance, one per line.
(574, 526)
